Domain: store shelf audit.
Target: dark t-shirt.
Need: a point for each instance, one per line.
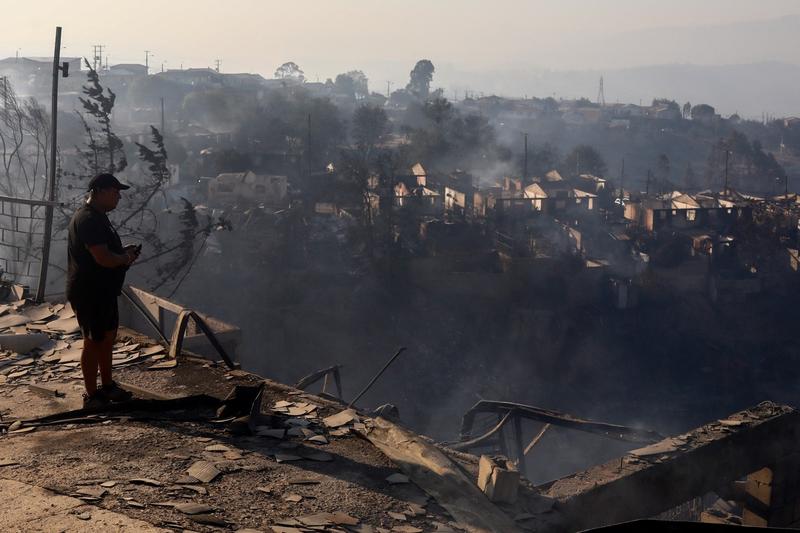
(85, 278)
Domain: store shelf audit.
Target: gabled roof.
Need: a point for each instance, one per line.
(684, 201)
(583, 194)
(534, 190)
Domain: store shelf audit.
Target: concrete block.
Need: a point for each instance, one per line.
(499, 482)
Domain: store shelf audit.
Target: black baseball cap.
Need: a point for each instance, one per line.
(104, 181)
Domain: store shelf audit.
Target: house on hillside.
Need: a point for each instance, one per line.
(677, 210)
(246, 188)
(196, 77)
(132, 70)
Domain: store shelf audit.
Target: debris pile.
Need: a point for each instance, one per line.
(42, 343)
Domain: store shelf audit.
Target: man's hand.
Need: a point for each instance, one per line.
(131, 256)
(132, 252)
(105, 258)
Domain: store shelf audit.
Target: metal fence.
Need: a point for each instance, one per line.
(21, 238)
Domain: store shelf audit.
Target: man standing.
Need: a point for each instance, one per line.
(97, 263)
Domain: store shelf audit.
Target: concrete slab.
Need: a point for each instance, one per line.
(30, 508)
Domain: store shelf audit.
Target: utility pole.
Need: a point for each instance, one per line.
(388, 89)
(147, 54)
(308, 147)
(51, 182)
(622, 185)
(647, 190)
(525, 164)
(162, 116)
(727, 155)
(601, 94)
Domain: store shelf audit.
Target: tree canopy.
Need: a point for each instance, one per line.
(354, 84)
(420, 78)
(290, 71)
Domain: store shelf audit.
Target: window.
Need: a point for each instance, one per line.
(691, 214)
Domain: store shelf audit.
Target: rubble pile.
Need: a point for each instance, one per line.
(42, 343)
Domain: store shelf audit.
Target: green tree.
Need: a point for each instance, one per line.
(420, 79)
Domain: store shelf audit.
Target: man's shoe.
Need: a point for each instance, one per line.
(115, 393)
(95, 401)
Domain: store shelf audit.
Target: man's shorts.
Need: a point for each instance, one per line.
(96, 316)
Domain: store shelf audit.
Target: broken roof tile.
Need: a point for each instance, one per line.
(341, 418)
(203, 471)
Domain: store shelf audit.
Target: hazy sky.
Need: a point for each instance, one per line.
(383, 37)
